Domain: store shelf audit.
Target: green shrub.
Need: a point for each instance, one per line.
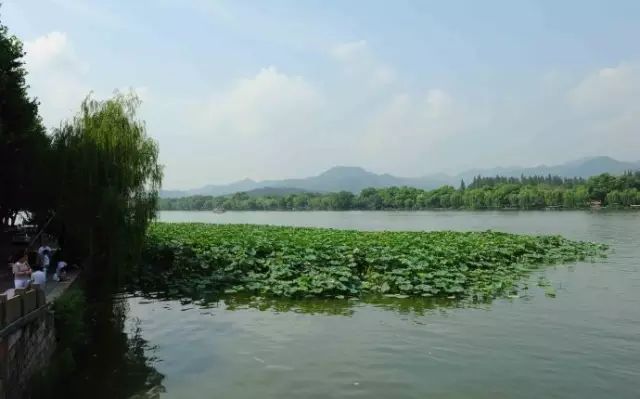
(71, 329)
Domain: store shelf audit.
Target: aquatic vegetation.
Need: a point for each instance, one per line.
(196, 260)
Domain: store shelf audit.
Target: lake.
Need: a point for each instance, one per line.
(582, 343)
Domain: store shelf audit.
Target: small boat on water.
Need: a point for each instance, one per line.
(219, 210)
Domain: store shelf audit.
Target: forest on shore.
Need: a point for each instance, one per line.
(535, 192)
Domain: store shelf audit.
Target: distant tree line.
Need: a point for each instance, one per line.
(480, 181)
(534, 192)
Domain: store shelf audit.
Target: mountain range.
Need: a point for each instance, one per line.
(354, 179)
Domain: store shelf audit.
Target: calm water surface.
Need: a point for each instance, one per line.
(584, 343)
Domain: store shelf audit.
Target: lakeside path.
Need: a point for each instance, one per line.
(52, 290)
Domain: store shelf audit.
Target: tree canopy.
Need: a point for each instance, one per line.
(111, 177)
(23, 142)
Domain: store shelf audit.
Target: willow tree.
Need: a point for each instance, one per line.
(109, 178)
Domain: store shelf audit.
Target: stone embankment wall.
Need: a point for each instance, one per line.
(27, 339)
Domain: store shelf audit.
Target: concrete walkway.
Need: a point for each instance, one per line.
(56, 288)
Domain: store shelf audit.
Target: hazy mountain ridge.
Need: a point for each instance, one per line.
(354, 179)
(274, 191)
(580, 168)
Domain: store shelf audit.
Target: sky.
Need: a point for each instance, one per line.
(279, 89)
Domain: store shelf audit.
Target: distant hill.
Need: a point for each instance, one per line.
(585, 167)
(339, 178)
(239, 186)
(354, 179)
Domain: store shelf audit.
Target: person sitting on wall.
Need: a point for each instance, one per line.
(39, 277)
(61, 271)
(21, 270)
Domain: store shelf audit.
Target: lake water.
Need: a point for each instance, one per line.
(583, 343)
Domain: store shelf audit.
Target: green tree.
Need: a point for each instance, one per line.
(342, 200)
(569, 200)
(370, 199)
(301, 201)
(614, 198)
(110, 187)
(599, 186)
(24, 145)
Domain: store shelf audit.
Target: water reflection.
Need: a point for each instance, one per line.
(138, 372)
(418, 306)
(120, 363)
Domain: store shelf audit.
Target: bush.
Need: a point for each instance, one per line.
(71, 329)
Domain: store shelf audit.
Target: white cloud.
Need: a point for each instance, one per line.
(411, 124)
(608, 89)
(382, 75)
(606, 108)
(56, 76)
(359, 62)
(351, 51)
(46, 49)
(60, 79)
(261, 125)
(438, 104)
(270, 103)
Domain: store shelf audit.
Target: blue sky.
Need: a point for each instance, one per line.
(274, 89)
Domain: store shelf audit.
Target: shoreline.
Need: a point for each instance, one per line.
(603, 209)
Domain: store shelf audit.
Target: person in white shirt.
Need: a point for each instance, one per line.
(21, 271)
(46, 260)
(44, 257)
(44, 248)
(39, 277)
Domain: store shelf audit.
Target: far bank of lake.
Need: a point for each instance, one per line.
(570, 223)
